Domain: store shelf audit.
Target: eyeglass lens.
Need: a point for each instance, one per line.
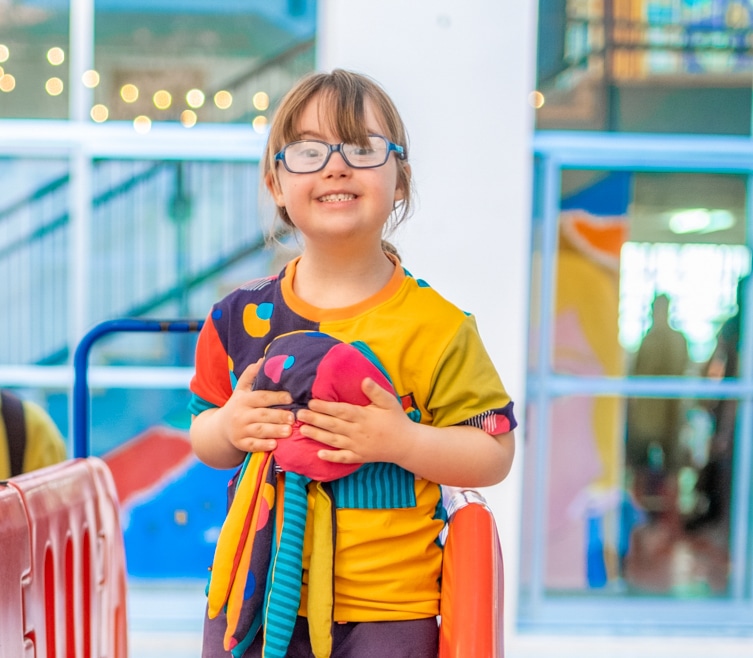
(310, 155)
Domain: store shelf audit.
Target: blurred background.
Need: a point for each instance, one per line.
(587, 163)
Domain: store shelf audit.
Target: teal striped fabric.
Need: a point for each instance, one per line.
(376, 485)
(284, 586)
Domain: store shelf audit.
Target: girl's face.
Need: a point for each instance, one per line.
(337, 203)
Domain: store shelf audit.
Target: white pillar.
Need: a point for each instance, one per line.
(460, 73)
(81, 56)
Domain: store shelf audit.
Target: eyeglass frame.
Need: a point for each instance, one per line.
(332, 148)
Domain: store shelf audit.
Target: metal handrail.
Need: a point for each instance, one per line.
(81, 363)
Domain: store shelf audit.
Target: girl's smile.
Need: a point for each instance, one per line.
(329, 198)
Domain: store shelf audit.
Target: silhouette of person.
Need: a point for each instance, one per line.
(654, 424)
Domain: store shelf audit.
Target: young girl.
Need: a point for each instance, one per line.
(336, 165)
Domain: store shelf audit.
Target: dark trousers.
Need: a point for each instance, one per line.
(417, 638)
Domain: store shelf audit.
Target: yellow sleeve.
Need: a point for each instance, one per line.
(44, 442)
(466, 384)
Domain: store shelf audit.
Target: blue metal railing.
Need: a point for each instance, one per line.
(81, 364)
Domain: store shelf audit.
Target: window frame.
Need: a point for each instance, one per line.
(554, 152)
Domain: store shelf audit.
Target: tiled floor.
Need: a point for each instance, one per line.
(668, 559)
(165, 618)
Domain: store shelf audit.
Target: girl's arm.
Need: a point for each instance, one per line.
(221, 437)
(460, 455)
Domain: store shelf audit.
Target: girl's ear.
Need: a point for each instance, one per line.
(399, 189)
(273, 185)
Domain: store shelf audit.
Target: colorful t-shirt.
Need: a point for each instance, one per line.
(388, 559)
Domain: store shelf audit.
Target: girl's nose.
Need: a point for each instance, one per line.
(336, 165)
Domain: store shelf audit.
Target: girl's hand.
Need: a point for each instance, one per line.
(250, 425)
(372, 433)
(457, 455)
(221, 437)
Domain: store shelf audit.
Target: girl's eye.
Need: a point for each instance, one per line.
(361, 151)
(306, 150)
(311, 154)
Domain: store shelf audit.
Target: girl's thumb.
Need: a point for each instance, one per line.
(246, 380)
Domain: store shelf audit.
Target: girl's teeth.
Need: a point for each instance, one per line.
(337, 197)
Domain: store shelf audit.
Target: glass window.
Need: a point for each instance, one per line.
(636, 236)
(34, 59)
(34, 256)
(206, 61)
(165, 235)
(162, 229)
(645, 66)
(635, 486)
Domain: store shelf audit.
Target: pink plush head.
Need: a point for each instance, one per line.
(311, 365)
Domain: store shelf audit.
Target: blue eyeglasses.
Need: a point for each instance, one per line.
(309, 155)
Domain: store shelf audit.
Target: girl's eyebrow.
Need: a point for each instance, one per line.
(313, 134)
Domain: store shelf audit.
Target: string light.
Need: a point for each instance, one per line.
(536, 99)
(129, 93)
(99, 113)
(142, 124)
(259, 124)
(188, 118)
(261, 100)
(54, 86)
(195, 98)
(162, 99)
(7, 83)
(56, 56)
(223, 99)
(90, 78)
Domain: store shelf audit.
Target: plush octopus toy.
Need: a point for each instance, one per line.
(309, 365)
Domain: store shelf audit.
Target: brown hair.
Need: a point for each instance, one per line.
(345, 92)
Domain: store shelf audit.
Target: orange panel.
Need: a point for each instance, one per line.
(471, 608)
